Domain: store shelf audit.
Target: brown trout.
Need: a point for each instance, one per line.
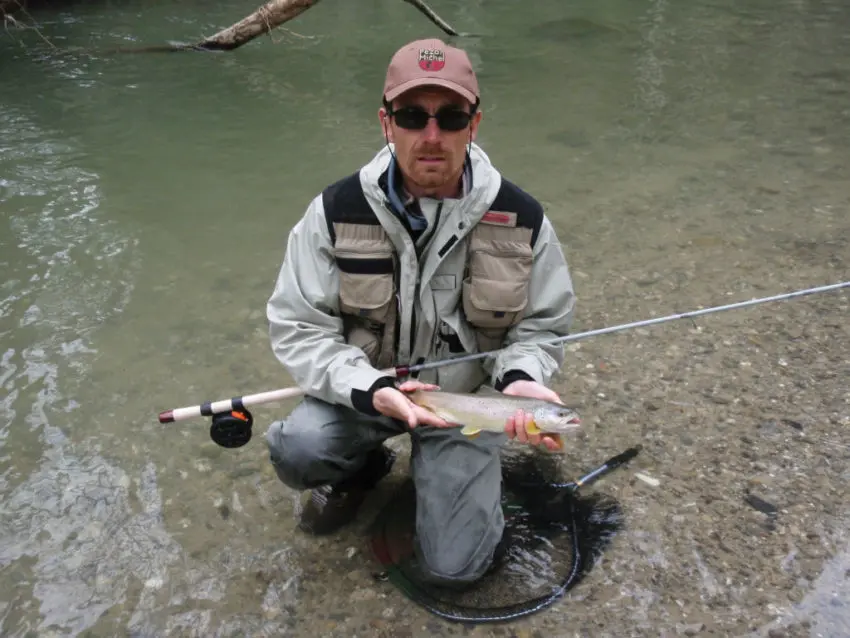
(490, 410)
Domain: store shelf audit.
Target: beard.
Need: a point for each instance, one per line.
(432, 175)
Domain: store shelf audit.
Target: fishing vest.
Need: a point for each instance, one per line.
(495, 279)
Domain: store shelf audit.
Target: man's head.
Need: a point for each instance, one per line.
(427, 78)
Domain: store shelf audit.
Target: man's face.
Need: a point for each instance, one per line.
(431, 158)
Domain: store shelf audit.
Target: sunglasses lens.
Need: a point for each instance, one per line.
(416, 119)
(452, 119)
(410, 118)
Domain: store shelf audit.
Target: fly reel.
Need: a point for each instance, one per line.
(232, 429)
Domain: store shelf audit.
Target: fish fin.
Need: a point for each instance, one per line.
(447, 416)
(470, 431)
(418, 398)
(532, 428)
(557, 438)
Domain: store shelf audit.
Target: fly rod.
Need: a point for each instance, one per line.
(237, 405)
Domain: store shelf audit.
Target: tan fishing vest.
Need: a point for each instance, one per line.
(495, 282)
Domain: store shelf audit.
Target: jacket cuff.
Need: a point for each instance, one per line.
(509, 377)
(361, 400)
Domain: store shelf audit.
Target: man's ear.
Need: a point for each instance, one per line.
(385, 124)
(473, 127)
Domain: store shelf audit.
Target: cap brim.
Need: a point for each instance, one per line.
(447, 84)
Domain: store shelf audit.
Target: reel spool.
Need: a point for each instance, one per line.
(232, 429)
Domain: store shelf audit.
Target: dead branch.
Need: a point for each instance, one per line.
(268, 17)
(6, 9)
(263, 20)
(433, 17)
(275, 13)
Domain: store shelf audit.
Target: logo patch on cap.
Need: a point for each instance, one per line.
(431, 59)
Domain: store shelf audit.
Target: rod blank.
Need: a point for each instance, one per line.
(226, 405)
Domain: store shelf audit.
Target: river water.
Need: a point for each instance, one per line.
(689, 153)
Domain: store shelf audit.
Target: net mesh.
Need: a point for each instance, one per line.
(552, 536)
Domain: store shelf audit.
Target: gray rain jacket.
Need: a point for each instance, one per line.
(492, 275)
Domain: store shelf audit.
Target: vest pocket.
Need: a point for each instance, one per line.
(491, 303)
(495, 289)
(365, 259)
(366, 295)
(357, 333)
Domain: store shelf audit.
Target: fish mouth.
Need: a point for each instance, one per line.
(568, 426)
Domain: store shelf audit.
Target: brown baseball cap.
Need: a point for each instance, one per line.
(430, 62)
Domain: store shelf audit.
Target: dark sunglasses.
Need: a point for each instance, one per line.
(415, 118)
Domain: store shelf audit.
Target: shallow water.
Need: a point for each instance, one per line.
(690, 154)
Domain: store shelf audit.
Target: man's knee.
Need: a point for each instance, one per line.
(293, 452)
(458, 560)
(319, 443)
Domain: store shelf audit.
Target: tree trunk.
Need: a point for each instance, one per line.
(263, 20)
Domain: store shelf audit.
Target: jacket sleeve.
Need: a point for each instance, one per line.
(305, 326)
(549, 315)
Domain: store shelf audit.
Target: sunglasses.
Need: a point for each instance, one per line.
(415, 118)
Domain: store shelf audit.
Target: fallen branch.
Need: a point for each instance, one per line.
(268, 17)
(263, 20)
(6, 8)
(433, 17)
(275, 13)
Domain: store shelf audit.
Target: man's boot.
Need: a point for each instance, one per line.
(330, 507)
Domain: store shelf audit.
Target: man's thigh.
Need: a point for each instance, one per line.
(459, 518)
(321, 443)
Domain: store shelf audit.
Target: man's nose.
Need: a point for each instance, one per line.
(432, 130)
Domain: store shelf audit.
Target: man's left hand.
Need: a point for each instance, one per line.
(516, 425)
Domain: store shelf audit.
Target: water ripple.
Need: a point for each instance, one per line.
(71, 527)
(90, 535)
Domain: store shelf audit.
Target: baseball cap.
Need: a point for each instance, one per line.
(430, 62)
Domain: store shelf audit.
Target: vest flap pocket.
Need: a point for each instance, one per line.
(361, 337)
(365, 295)
(489, 303)
(498, 269)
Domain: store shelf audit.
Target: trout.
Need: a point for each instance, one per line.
(489, 411)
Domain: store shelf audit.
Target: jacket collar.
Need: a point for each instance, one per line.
(479, 193)
(403, 204)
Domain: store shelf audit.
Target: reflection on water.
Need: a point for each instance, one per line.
(71, 537)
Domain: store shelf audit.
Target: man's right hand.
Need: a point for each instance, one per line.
(391, 402)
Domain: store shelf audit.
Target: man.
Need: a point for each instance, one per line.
(423, 253)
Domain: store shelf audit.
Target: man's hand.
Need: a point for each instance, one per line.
(391, 402)
(516, 425)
